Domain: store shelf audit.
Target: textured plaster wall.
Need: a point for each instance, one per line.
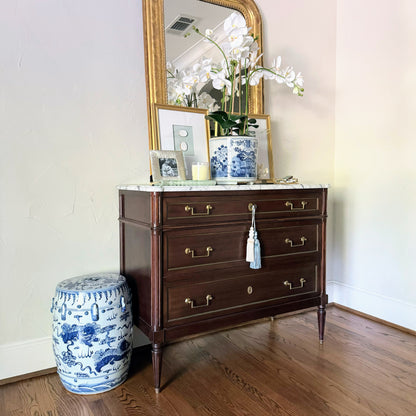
(375, 170)
(303, 33)
(303, 129)
(73, 126)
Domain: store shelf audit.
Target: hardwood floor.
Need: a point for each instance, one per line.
(268, 368)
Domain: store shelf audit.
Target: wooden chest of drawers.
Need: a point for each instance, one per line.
(183, 253)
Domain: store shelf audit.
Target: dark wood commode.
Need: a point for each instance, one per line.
(183, 253)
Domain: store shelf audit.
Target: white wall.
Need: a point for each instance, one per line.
(375, 147)
(303, 33)
(73, 126)
(303, 129)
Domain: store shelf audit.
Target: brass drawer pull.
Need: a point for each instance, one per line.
(301, 280)
(196, 214)
(290, 204)
(302, 242)
(189, 301)
(192, 252)
(251, 206)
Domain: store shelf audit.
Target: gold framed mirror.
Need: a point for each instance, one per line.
(155, 55)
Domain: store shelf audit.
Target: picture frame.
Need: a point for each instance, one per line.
(265, 169)
(183, 129)
(167, 165)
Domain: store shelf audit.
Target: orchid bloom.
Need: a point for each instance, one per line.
(240, 67)
(234, 21)
(206, 101)
(256, 77)
(220, 81)
(204, 70)
(289, 76)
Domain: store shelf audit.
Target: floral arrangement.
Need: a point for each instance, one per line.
(238, 71)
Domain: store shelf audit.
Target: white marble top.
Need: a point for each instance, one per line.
(254, 187)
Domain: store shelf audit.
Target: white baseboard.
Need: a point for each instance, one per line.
(26, 357)
(380, 306)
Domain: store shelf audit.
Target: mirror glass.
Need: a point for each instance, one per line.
(158, 16)
(185, 50)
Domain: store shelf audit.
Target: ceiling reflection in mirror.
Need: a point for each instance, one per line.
(188, 54)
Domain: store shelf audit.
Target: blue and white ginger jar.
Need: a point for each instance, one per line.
(92, 332)
(233, 158)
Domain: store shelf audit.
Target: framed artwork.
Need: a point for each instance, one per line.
(265, 155)
(167, 165)
(183, 129)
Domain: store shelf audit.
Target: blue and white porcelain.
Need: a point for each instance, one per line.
(92, 332)
(233, 159)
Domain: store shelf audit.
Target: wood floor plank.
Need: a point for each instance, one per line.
(403, 343)
(307, 365)
(350, 359)
(300, 385)
(218, 398)
(364, 368)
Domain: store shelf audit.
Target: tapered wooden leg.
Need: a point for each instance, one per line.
(321, 322)
(157, 364)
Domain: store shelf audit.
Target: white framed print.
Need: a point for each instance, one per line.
(183, 129)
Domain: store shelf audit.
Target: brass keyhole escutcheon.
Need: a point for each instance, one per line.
(250, 290)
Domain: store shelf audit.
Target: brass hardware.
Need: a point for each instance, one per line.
(290, 204)
(301, 280)
(196, 214)
(250, 290)
(250, 207)
(192, 252)
(302, 242)
(189, 301)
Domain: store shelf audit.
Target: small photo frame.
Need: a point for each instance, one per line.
(183, 129)
(167, 165)
(265, 155)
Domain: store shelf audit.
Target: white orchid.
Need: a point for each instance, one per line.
(289, 76)
(239, 53)
(239, 70)
(221, 82)
(256, 77)
(234, 21)
(298, 89)
(206, 101)
(299, 80)
(277, 62)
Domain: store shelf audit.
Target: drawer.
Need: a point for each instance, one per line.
(212, 247)
(183, 303)
(189, 210)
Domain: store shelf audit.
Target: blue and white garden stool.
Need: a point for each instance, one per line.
(92, 332)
